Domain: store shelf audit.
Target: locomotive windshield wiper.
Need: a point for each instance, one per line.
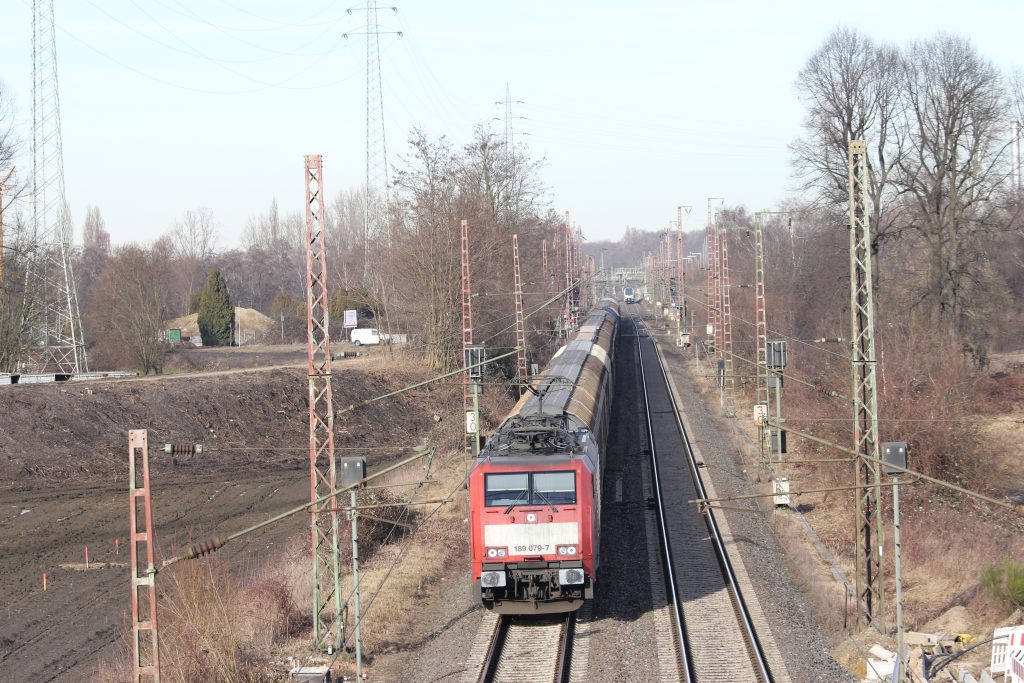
(515, 500)
(545, 499)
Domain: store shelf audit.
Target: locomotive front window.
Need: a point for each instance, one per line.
(524, 488)
(554, 488)
(506, 489)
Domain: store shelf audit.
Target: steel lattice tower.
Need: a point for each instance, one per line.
(865, 400)
(57, 344)
(521, 371)
(328, 620)
(726, 316)
(714, 273)
(544, 259)
(680, 287)
(568, 274)
(709, 293)
(467, 332)
(375, 195)
(761, 316)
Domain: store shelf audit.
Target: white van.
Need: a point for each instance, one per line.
(368, 336)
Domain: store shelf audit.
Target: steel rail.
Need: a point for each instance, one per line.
(564, 670)
(755, 646)
(496, 651)
(666, 547)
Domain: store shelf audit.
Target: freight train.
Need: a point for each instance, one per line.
(535, 488)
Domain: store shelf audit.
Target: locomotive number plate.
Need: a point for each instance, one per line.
(531, 549)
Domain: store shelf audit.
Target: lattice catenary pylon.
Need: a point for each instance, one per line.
(522, 374)
(726, 315)
(865, 399)
(467, 334)
(328, 620)
(56, 343)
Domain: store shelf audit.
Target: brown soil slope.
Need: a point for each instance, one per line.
(63, 474)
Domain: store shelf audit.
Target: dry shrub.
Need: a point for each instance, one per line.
(271, 614)
(926, 394)
(215, 625)
(202, 616)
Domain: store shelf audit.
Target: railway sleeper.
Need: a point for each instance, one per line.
(534, 587)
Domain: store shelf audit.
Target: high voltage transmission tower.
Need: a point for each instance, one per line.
(865, 398)
(510, 118)
(56, 343)
(375, 194)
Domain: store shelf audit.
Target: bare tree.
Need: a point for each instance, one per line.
(18, 311)
(955, 108)
(130, 296)
(8, 140)
(851, 87)
(193, 239)
(15, 308)
(499, 193)
(93, 228)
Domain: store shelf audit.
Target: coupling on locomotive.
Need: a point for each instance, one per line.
(535, 487)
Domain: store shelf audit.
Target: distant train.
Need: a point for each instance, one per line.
(535, 488)
(629, 295)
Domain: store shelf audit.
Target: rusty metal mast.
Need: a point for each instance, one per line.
(680, 288)
(726, 314)
(522, 374)
(568, 274)
(865, 400)
(592, 275)
(544, 259)
(468, 388)
(328, 620)
(761, 316)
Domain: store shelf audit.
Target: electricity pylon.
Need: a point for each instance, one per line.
(375, 194)
(56, 344)
(865, 398)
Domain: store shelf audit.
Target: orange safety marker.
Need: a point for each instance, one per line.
(44, 582)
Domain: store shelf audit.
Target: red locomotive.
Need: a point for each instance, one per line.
(535, 489)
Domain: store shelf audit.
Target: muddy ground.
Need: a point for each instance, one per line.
(63, 485)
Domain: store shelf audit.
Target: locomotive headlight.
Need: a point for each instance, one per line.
(496, 552)
(570, 577)
(566, 550)
(492, 579)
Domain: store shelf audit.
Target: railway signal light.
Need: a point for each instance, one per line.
(894, 453)
(475, 358)
(777, 353)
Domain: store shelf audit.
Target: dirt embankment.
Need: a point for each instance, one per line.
(78, 432)
(63, 472)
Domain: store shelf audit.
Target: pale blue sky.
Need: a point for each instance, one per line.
(637, 106)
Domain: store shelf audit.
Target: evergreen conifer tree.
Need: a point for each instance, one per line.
(216, 311)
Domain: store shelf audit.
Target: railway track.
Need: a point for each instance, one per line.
(719, 643)
(530, 649)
